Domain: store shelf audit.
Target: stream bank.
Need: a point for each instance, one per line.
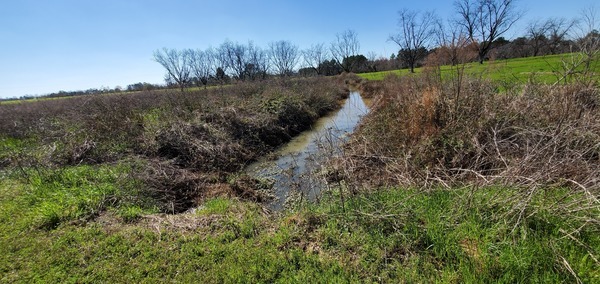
(299, 162)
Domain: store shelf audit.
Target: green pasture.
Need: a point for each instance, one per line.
(85, 231)
(545, 69)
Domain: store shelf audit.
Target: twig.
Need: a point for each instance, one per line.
(587, 192)
(566, 264)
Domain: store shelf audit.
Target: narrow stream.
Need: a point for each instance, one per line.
(298, 161)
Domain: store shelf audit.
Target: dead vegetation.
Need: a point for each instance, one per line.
(188, 144)
(421, 133)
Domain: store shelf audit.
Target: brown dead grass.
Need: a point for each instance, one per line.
(422, 134)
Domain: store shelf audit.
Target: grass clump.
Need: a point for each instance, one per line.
(457, 236)
(46, 198)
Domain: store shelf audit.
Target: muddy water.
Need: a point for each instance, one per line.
(295, 170)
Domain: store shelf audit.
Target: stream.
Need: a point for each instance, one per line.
(295, 170)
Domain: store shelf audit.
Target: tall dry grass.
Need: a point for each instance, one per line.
(420, 132)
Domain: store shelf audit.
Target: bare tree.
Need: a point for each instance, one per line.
(588, 34)
(345, 45)
(284, 56)
(238, 60)
(486, 20)
(589, 37)
(415, 33)
(454, 47)
(177, 64)
(258, 62)
(202, 65)
(315, 56)
(537, 31)
(221, 56)
(549, 36)
(372, 61)
(558, 33)
(233, 56)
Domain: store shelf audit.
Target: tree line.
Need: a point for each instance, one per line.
(239, 61)
(476, 32)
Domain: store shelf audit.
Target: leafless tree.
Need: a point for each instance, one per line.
(234, 57)
(346, 44)
(589, 37)
(284, 56)
(548, 36)
(202, 65)
(415, 33)
(453, 45)
(454, 49)
(558, 32)
(588, 34)
(314, 56)
(238, 60)
(258, 62)
(221, 58)
(372, 61)
(537, 31)
(177, 64)
(486, 20)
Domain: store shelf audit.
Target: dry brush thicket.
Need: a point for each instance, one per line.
(184, 146)
(427, 133)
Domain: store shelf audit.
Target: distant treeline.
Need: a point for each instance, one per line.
(141, 86)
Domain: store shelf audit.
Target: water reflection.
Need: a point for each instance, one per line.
(298, 160)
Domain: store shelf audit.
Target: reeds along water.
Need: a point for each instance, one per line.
(295, 171)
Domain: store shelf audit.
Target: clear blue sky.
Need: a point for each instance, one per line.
(47, 46)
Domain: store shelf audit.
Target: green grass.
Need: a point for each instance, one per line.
(46, 198)
(544, 69)
(395, 235)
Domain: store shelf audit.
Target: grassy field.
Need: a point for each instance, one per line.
(394, 235)
(545, 69)
(441, 183)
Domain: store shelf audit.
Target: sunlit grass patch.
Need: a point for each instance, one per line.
(47, 198)
(545, 69)
(462, 235)
(390, 235)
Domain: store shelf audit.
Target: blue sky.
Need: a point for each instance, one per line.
(48, 46)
